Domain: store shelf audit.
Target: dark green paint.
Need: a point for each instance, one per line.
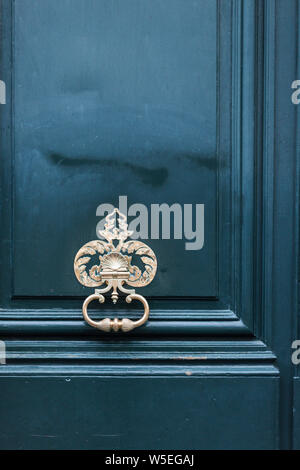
(131, 413)
(102, 91)
(103, 83)
(154, 177)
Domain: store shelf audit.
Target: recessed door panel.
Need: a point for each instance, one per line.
(113, 98)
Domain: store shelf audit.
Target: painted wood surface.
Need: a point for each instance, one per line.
(179, 101)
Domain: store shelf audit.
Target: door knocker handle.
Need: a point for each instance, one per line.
(114, 268)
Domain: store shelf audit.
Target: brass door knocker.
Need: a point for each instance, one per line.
(115, 269)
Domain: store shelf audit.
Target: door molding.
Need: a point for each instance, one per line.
(248, 189)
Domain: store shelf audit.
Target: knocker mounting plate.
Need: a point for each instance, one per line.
(112, 262)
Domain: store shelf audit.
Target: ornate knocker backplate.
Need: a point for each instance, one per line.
(116, 263)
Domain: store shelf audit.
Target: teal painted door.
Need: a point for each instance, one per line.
(182, 102)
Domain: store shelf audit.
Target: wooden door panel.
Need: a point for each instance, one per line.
(138, 413)
(164, 101)
(112, 98)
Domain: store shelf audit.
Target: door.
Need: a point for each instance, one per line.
(179, 113)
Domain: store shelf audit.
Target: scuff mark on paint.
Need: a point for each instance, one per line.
(151, 176)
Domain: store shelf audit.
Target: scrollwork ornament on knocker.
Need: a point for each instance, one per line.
(111, 263)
